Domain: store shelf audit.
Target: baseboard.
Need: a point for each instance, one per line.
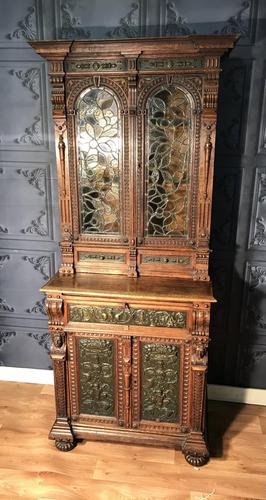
(237, 394)
(31, 375)
(218, 392)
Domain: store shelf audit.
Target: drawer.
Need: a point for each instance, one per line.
(131, 315)
(167, 264)
(111, 261)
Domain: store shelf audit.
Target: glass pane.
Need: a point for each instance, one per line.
(99, 158)
(168, 151)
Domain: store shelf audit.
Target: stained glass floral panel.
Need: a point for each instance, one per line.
(168, 162)
(99, 160)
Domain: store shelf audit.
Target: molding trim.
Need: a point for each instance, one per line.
(31, 375)
(216, 392)
(244, 395)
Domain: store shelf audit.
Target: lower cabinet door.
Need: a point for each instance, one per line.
(157, 380)
(95, 378)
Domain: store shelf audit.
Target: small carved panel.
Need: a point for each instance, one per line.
(171, 64)
(93, 66)
(159, 382)
(101, 257)
(257, 237)
(166, 259)
(96, 376)
(127, 316)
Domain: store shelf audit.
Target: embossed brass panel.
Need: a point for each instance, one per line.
(127, 316)
(101, 257)
(166, 259)
(151, 64)
(159, 382)
(96, 376)
(94, 66)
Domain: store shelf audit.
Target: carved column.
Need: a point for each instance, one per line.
(195, 449)
(132, 111)
(57, 79)
(61, 430)
(209, 118)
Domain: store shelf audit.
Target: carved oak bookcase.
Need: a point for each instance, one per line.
(129, 309)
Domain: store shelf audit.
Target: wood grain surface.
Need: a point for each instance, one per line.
(32, 468)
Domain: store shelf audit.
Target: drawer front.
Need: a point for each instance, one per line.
(168, 264)
(160, 318)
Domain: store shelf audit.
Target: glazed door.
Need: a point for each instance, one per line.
(168, 164)
(157, 380)
(98, 129)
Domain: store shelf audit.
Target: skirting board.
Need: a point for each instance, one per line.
(218, 392)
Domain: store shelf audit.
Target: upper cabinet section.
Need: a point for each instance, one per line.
(135, 128)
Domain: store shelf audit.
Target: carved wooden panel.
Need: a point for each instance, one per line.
(257, 236)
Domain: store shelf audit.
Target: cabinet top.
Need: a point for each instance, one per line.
(141, 288)
(150, 46)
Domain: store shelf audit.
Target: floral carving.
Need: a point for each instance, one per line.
(4, 306)
(26, 27)
(35, 178)
(259, 238)
(128, 27)
(3, 229)
(38, 308)
(71, 25)
(30, 80)
(176, 24)
(239, 23)
(5, 338)
(36, 226)
(32, 134)
(3, 259)
(40, 264)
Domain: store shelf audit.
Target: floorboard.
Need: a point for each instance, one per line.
(32, 468)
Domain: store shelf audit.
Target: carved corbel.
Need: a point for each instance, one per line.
(54, 308)
(201, 320)
(199, 359)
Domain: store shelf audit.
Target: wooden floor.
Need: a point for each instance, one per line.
(31, 467)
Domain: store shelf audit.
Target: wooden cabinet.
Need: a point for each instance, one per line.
(129, 309)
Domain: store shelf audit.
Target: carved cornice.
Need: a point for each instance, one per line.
(40, 264)
(37, 226)
(71, 25)
(30, 79)
(128, 25)
(26, 27)
(35, 178)
(33, 134)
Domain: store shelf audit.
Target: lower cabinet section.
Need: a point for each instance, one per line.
(132, 382)
(122, 381)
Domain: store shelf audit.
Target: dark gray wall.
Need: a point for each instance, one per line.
(28, 191)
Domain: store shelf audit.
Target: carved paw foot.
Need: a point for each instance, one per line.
(195, 459)
(64, 445)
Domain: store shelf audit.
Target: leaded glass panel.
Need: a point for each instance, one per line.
(99, 160)
(168, 162)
